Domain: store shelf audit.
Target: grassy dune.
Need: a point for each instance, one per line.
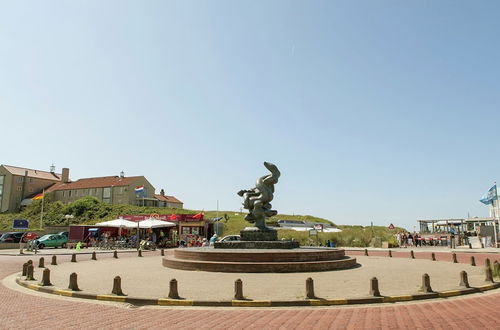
(89, 210)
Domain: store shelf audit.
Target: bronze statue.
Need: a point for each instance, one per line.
(257, 200)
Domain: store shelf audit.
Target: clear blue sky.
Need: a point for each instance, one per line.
(383, 111)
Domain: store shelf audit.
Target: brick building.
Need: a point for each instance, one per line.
(18, 184)
(108, 189)
(168, 201)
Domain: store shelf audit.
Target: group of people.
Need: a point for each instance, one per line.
(199, 242)
(126, 239)
(408, 239)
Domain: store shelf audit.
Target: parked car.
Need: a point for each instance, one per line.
(52, 240)
(231, 238)
(15, 237)
(29, 236)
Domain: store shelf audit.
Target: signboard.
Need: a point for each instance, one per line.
(391, 226)
(318, 226)
(313, 232)
(164, 217)
(20, 224)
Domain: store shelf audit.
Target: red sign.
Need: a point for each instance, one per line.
(391, 226)
(164, 217)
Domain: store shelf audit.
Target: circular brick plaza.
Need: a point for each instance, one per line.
(462, 312)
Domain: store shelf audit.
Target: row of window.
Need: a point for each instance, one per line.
(106, 192)
(20, 188)
(20, 179)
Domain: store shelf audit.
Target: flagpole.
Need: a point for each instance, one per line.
(495, 215)
(41, 213)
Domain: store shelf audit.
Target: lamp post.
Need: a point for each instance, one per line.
(67, 217)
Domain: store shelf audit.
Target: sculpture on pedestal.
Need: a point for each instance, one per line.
(257, 200)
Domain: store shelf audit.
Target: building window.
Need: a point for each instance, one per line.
(19, 188)
(20, 179)
(30, 189)
(30, 180)
(69, 193)
(106, 195)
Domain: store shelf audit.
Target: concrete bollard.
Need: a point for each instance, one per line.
(454, 258)
(94, 256)
(73, 282)
(472, 261)
(115, 254)
(470, 246)
(374, 290)
(46, 278)
(366, 252)
(139, 253)
(73, 257)
(54, 261)
(464, 279)
(173, 293)
(433, 256)
(29, 273)
(310, 288)
(496, 267)
(412, 254)
(30, 262)
(426, 284)
(390, 254)
(41, 262)
(489, 275)
(162, 252)
(117, 286)
(487, 262)
(238, 289)
(25, 269)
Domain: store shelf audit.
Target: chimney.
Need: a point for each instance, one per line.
(122, 174)
(162, 192)
(65, 175)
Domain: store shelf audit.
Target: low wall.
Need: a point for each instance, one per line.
(4, 246)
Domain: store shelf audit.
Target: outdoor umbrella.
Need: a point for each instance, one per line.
(154, 223)
(118, 223)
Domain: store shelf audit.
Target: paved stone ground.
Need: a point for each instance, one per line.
(23, 311)
(397, 276)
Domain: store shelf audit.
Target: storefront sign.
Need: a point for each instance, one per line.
(164, 217)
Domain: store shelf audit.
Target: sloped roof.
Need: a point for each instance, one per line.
(170, 199)
(101, 182)
(14, 170)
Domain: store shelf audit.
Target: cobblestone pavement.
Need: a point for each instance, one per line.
(23, 311)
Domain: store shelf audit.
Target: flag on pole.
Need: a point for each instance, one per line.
(37, 197)
(198, 216)
(139, 189)
(490, 196)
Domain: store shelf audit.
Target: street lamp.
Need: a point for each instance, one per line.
(67, 217)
